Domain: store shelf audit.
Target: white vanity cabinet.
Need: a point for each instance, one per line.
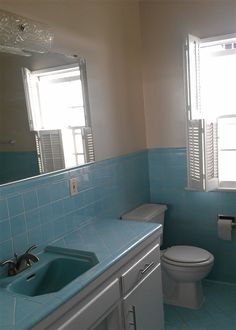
(143, 305)
(127, 296)
(142, 293)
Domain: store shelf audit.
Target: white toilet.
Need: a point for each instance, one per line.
(183, 267)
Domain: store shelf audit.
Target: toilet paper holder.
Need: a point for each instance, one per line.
(227, 217)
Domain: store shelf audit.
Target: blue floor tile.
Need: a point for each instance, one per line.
(217, 313)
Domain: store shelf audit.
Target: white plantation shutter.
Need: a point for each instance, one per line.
(202, 155)
(195, 154)
(50, 150)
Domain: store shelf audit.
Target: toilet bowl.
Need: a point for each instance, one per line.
(183, 266)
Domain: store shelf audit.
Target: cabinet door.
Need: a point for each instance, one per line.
(143, 306)
(112, 321)
(83, 316)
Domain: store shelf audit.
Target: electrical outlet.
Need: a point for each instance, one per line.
(73, 186)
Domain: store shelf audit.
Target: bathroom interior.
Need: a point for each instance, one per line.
(135, 98)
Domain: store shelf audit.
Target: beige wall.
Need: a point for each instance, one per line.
(164, 25)
(13, 113)
(107, 34)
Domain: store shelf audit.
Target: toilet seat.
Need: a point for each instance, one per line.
(187, 256)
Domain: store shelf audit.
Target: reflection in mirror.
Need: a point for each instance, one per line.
(44, 115)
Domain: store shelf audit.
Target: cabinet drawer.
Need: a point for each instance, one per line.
(142, 267)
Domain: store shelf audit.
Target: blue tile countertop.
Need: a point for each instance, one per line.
(109, 239)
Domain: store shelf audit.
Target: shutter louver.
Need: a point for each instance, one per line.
(51, 150)
(88, 144)
(194, 155)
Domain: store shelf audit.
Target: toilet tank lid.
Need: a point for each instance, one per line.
(185, 253)
(145, 212)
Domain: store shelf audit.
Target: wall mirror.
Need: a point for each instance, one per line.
(44, 115)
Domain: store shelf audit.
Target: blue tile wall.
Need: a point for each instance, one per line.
(192, 216)
(40, 210)
(17, 165)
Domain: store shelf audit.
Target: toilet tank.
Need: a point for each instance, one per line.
(149, 213)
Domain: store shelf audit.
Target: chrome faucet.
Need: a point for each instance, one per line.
(18, 264)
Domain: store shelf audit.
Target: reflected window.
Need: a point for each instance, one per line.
(58, 114)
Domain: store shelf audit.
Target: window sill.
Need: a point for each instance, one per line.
(226, 189)
(227, 186)
(220, 189)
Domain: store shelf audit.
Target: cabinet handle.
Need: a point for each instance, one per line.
(134, 318)
(147, 267)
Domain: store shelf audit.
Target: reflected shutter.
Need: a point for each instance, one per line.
(88, 144)
(50, 150)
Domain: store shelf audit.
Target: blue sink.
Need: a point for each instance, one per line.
(58, 268)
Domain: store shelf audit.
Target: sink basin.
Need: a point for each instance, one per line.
(60, 267)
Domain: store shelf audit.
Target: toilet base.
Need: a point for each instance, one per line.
(182, 294)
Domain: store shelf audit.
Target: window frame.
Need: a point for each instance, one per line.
(200, 133)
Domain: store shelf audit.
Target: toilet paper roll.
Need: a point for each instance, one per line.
(224, 229)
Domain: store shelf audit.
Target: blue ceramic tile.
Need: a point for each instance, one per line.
(6, 250)
(59, 190)
(44, 195)
(7, 308)
(30, 306)
(46, 214)
(216, 313)
(32, 218)
(5, 231)
(47, 232)
(20, 243)
(193, 215)
(57, 209)
(35, 236)
(30, 200)
(15, 205)
(106, 188)
(85, 181)
(69, 204)
(3, 209)
(59, 227)
(78, 200)
(18, 225)
(89, 237)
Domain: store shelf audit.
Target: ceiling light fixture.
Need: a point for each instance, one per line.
(20, 35)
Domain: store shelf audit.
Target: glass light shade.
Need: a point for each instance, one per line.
(21, 35)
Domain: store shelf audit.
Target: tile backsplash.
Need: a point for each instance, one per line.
(40, 210)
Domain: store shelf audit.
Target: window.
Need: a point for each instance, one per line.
(58, 114)
(211, 112)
